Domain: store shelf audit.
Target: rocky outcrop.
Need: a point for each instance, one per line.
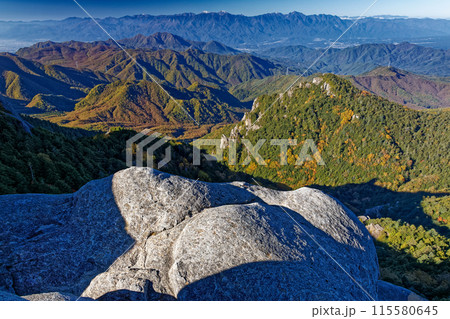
(146, 235)
(46, 296)
(50, 296)
(376, 230)
(223, 142)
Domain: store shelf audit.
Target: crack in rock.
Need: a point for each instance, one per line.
(188, 240)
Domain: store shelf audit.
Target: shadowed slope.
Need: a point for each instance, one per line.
(414, 91)
(65, 240)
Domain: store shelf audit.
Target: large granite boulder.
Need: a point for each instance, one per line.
(146, 235)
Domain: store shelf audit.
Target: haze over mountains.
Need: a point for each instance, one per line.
(363, 58)
(239, 31)
(50, 76)
(379, 124)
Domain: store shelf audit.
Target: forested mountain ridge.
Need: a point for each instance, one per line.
(361, 137)
(43, 161)
(21, 80)
(411, 90)
(30, 87)
(387, 163)
(252, 89)
(363, 58)
(52, 159)
(198, 80)
(138, 104)
(178, 68)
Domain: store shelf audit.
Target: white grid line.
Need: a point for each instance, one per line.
(315, 61)
(326, 252)
(298, 78)
(140, 237)
(134, 60)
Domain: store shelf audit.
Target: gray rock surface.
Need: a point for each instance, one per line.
(390, 292)
(376, 230)
(50, 296)
(60, 242)
(146, 235)
(363, 218)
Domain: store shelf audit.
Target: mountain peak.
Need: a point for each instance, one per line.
(406, 88)
(385, 71)
(167, 40)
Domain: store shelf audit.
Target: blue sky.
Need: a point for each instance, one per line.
(59, 9)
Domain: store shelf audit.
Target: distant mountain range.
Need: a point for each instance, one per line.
(100, 86)
(97, 85)
(106, 55)
(180, 68)
(22, 79)
(239, 31)
(156, 41)
(363, 58)
(411, 90)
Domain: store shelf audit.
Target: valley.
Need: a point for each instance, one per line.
(373, 109)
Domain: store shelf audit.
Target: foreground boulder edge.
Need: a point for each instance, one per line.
(146, 235)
